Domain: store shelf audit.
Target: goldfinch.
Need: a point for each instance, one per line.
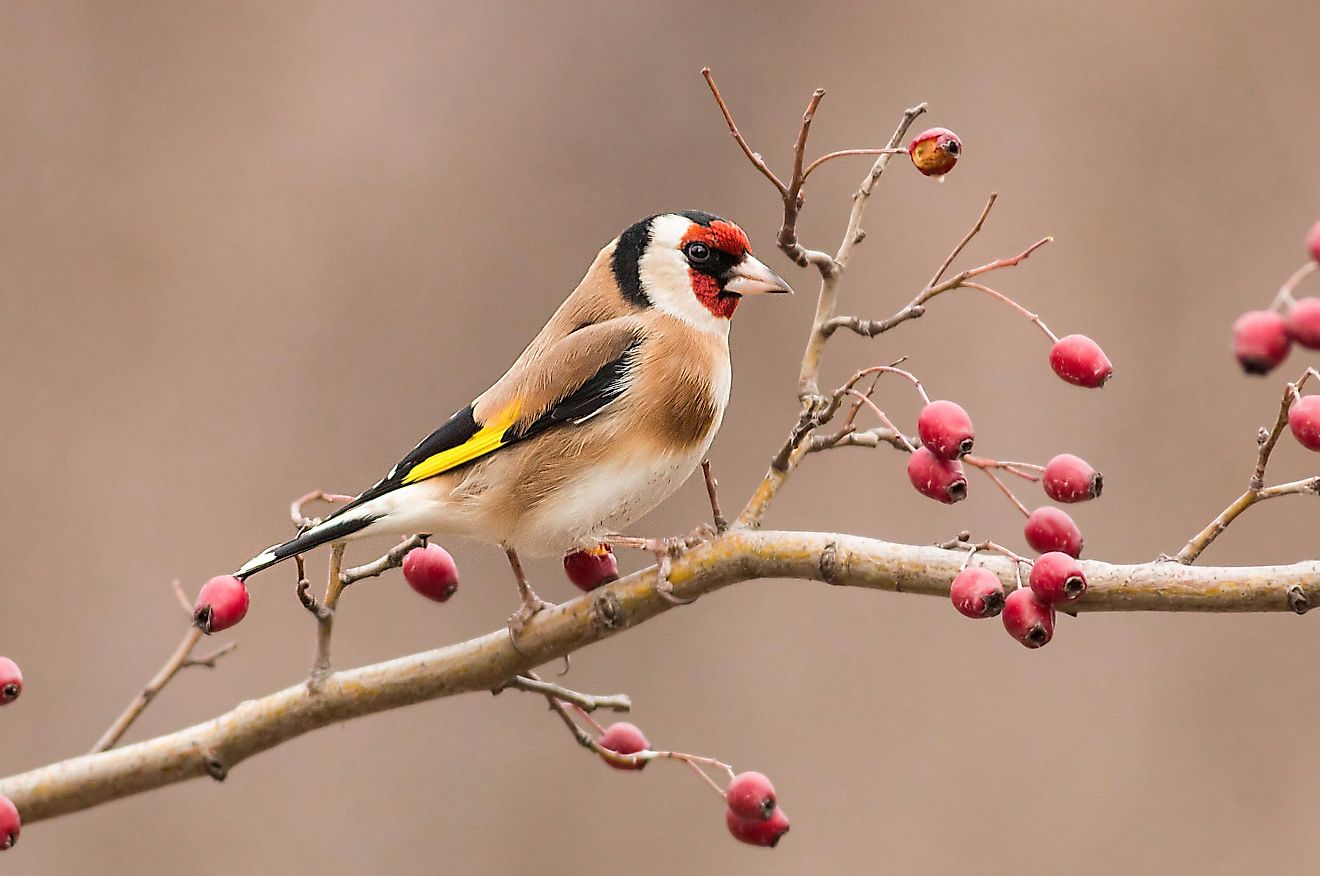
(604, 415)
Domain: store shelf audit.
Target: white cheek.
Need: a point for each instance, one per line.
(666, 279)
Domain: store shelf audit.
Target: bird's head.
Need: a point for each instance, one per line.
(692, 264)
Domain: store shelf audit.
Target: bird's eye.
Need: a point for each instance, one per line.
(697, 253)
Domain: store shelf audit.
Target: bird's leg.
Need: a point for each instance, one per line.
(531, 603)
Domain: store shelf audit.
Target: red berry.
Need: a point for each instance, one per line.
(1069, 478)
(940, 479)
(1304, 420)
(431, 572)
(592, 568)
(1313, 241)
(1027, 619)
(624, 738)
(11, 681)
(1051, 529)
(10, 823)
(1260, 341)
(1057, 577)
(1304, 322)
(756, 831)
(1080, 361)
(222, 602)
(945, 429)
(751, 796)
(936, 151)
(977, 592)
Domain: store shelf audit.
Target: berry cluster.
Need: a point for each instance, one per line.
(1262, 338)
(11, 685)
(752, 813)
(936, 468)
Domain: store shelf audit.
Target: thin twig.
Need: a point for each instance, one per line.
(917, 306)
(1256, 490)
(300, 518)
(391, 560)
(967, 238)
(531, 683)
(755, 158)
(325, 619)
(180, 659)
(713, 493)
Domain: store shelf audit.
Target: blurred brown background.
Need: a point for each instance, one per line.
(248, 250)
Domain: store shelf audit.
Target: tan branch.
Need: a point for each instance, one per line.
(214, 747)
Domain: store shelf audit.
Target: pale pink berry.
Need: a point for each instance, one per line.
(11, 681)
(1027, 619)
(939, 479)
(1080, 361)
(1304, 421)
(1051, 529)
(1303, 322)
(756, 831)
(10, 823)
(431, 571)
(1057, 577)
(1313, 242)
(221, 603)
(1069, 478)
(1260, 341)
(624, 738)
(750, 795)
(945, 429)
(977, 592)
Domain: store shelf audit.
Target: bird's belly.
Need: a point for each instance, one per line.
(604, 499)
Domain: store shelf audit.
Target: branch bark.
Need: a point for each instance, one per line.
(214, 747)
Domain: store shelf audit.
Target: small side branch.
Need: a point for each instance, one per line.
(181, 659)
(532, 683)
(325, 619)
(1256, 490)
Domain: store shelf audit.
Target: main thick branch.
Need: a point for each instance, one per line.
(489, 662)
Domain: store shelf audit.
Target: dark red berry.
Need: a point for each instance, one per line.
(1069, 478)
(1027, 619)
(1057, 577)
(940, 479)
(221, 603)
(624, 738)
(1304, 420)
(750, 795)
(11, 681)
(945, 429)
(1080, 361)
(592, 568)
(431, 571)
(755, 831)
(977, 592)
(1303, 322)
(1051, 529)
(935, 151)
(10, 823)
(1313, 242)
(1260, 341)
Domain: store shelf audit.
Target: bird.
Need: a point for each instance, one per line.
(608, 410)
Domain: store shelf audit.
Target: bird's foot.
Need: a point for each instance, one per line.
(531, 604)
(666, 550)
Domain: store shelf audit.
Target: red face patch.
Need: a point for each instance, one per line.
(725, 237)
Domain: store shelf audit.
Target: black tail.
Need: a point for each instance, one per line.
(334, 529)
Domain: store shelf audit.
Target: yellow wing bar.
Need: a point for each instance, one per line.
(488, 438)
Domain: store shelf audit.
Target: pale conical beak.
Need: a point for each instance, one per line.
(751, 277)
